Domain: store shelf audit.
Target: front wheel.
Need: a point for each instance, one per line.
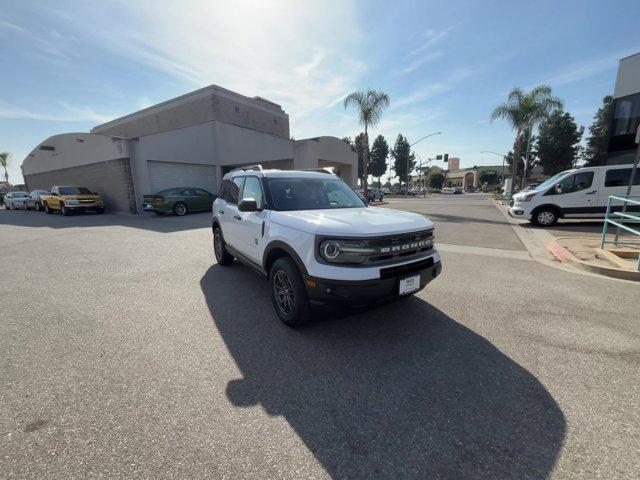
(545, 217)
(100, 211)
(64, 210)
(219, 248)
(288, 293)
(47, 209)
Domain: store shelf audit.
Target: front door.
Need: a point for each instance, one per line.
(576, 195)
(250, 225)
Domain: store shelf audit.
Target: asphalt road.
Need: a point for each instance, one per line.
(127, 353)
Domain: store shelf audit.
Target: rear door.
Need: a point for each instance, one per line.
(578, 196)
(615, 182)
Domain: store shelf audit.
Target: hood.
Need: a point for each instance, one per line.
(348, 222)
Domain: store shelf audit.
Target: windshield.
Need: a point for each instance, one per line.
(20, 194)
(312, 194)
(74, 191)
(550, 181)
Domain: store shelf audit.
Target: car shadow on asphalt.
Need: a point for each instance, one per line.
(144, 221)
(401, 391)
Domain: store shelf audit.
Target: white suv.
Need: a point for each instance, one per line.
(318, 242)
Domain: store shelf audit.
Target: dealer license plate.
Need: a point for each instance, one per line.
(409, 284)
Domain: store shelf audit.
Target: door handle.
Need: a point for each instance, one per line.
(237, 217)
(221, 212)
(591, 192)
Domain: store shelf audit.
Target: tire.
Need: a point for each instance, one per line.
(63, 210)
(545, 217)
(288, 293)
(219, 248)
(180, 209)
(47, 209)
(100, 211)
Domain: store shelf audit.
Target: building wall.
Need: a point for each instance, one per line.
(111, 179)
(628, 77)
(204, 105)
(327, 152)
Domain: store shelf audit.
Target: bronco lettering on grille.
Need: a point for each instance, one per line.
(405, 247)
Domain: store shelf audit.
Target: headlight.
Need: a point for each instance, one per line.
(525, 198)
(344, 251)
(71, 201)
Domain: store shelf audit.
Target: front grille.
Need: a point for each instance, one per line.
(86, 200)
(414, 267)
(403, 242)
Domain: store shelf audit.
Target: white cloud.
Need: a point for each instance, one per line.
(65, 113)
(432, 38)
(421, 61)
(308, 68)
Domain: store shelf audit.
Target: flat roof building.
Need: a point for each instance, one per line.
(626, 112)
(191, 140)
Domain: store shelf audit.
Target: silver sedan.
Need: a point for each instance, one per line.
(15, 200)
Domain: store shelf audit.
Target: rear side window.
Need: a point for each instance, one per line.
(619, 177)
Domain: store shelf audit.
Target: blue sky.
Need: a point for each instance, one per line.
(68, 66)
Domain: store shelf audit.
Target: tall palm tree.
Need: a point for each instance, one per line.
(370, 105)
(4, 161)
(525, 111)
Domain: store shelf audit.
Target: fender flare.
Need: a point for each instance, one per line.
(278, 244)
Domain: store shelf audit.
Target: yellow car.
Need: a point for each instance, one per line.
(67, 200)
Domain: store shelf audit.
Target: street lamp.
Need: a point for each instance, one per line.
(414, 143)
(500, 155)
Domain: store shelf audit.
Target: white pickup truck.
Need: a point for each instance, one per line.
(318, 242)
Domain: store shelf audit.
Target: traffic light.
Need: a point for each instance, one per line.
(475, 168)
(439, 157)
(446, 157)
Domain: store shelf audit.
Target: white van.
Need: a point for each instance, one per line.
(579, 193)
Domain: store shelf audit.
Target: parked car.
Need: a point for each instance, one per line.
(360, 192)
(179, 201)
(33, 201)
(578, 193)
(404, 191)
(385, 191)
(374, 194)
(15, 200)
(70, 199)
(317, 242)
(457, 190)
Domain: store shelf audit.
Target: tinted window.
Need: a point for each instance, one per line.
(224, 189)
(169, 192)
(189, 192)
(620, 177)
(75, 191)
(577, 182)
(235, 187)
(203, 193)
(312, 194)
(252, 189)
(625, 121)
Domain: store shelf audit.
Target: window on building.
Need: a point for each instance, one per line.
(624, 125)
(46, 147)
(619, 177)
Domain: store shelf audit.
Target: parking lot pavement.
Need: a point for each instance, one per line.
(127, 352)
(468, 219)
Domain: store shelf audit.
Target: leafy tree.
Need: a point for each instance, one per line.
(402, 156)
(4, 162)
(358, 145)
(370, 105)
(379, 154)
(436, 180)
(595, 153)
(558, 142)
(490, 177)
(524, 111)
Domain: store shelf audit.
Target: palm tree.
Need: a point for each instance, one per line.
(525, 111)
(370, 105)
(4, 161)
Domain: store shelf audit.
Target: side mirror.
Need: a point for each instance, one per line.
(558, 188)
(248, 205)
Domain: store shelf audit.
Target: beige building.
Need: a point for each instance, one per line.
(191, 140)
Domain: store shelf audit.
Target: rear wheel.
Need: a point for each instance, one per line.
(288, 294)
(219, 248)
(180, 209)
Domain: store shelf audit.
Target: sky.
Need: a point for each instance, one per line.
(68, 66)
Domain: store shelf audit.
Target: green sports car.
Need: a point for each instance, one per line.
(179, 201)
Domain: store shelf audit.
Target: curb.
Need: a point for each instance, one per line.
(565, 256)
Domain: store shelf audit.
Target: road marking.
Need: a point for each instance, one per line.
(484, 251)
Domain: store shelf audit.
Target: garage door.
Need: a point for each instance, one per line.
(173, 174)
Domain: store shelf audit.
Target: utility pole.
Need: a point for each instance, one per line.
(409, 155)
(503, 160)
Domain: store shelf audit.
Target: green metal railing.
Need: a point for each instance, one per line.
(618, 219)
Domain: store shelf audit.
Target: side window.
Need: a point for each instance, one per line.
(577, 182)
(235, 187)
(253, 189)
(202, 193)
(189, 192)
(619, 177)
(224, 189)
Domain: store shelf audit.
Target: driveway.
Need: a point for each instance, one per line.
(127, 352)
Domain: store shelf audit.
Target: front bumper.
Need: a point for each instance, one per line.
(368, 292)
(518, 211)
(85, 208)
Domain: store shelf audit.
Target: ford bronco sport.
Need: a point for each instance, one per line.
(317, 242)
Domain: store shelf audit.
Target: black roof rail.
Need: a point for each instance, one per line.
(319, 170)
(255, 168)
